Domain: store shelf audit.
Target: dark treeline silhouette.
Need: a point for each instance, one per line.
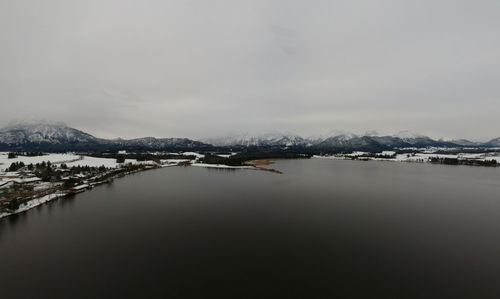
(13, 155)
(15, 166)
(471, 162)
(139, 156)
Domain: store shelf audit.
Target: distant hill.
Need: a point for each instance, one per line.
(44, 136)
(493, 142)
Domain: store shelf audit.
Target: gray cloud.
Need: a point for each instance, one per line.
(198, 68)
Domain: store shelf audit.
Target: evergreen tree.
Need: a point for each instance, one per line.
(120, 159)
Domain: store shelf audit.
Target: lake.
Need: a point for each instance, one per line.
(320, 229)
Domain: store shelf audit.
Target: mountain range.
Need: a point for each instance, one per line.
(44, 136)
(342, 140)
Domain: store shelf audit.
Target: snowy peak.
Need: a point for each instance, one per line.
(152, 143)
(405, 135)
(338, 140)
(413, 138)
(45, 136)
(333, 133)
(43, 132)
(267, 139)
(340, 133)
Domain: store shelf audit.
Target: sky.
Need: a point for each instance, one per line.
(211, 68)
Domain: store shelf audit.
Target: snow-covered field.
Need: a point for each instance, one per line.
(198, 155)
(221, 166)
(69, 159)
(96, 162)
(53, 158)
(173, 161)
(75, 160)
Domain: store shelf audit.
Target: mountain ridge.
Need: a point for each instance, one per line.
(45, 136)
(60, 137)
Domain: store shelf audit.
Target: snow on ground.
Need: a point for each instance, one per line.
(427, 157)
(173, 161)
(33, 203)
(26, 180)
(418, 157)
(221, 166)
(335, 157)
(53, 158)
(410, 158)
(96, 162)
(355, 154)
(69, 159)
(226, 155)
(471, 156)
(107, 162)
(482, 156)
(496, 158)
(44, 186)
(149, 162)
(81, 187)
(388, 153)
(5, 184)
(198, 155)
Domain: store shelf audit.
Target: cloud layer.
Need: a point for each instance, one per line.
(204, 68)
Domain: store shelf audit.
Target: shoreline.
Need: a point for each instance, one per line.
(249, 165)
(35, 202)
(422, 159)
(258, 164)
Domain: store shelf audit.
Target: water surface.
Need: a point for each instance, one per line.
(320, 229)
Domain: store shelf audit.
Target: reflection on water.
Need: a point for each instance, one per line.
(320, 229)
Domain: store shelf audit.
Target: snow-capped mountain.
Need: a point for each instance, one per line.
(153, 143)
(409, 136)
(413, 138)
(461, 142)
(493, 142)
(365, 143)
(339, 140)
(279, 139)
(333, 140)
(334, 134)
(268, 139)
(46, 136)
(43, 132)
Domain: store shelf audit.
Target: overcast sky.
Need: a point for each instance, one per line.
(209, 68)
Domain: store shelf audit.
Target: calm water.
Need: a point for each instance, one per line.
(322, 228)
